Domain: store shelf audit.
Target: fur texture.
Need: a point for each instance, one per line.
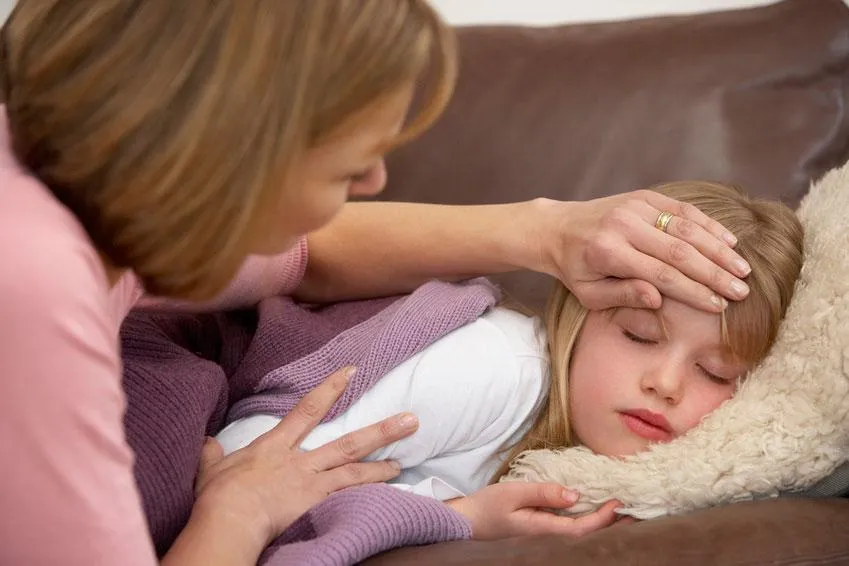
(785, 429)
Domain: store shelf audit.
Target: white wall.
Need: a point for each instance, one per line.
(5, 8)
(550, 11)
(542, 12)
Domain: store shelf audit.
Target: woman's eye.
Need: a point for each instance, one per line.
(359, 177)
(638, 339)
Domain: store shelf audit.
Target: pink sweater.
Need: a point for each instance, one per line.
(67, 493)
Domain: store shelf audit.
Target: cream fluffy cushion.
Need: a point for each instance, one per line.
(785, 429)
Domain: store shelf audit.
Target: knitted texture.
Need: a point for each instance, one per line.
(182, 372)
(353, 524)
(379, 343)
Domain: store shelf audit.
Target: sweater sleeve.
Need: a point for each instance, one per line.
(353, 524)
(68, 495)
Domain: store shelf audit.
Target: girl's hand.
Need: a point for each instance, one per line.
(267, 485)
(511, 509)
(609, 253)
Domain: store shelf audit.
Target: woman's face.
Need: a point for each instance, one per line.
(348, 164)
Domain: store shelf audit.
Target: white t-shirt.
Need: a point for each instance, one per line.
(476, 392)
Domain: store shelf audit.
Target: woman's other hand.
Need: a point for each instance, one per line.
(609, 252)
(267, 485)
(512, 509)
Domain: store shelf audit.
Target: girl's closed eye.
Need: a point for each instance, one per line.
(637, 338)
(714, 377)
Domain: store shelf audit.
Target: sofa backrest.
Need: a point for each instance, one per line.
(756, 97)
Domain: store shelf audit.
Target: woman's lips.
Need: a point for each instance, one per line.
(647, 425)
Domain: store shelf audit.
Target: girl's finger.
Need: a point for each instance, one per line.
(604, 516)
(521, 495)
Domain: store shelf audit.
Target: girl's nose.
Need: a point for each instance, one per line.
(665, 381)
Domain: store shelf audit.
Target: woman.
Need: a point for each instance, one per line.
(174, 147)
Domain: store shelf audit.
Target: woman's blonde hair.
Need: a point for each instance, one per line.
(769, 238)
(170, 128)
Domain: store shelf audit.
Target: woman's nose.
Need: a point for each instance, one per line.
(370, 184)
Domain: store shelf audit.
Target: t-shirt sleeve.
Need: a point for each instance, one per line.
(258, 278)
(67, 493)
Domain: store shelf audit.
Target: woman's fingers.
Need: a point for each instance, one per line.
(359, 473)
(705, 244)
(688, 261)
(681, 257)
(690, 232)
(630, 264)
(309, 411)
(690, 225)
(689, 212)
(612, 292)
(356, 445)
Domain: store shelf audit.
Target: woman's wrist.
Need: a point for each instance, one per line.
(218, 536)
(535, 226)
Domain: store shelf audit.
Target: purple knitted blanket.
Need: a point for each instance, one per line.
(184, 373)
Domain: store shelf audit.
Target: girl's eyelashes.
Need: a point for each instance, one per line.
(713, 377)
(638, 339)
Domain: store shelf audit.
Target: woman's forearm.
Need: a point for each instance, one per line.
(215, 541)
(374, 249)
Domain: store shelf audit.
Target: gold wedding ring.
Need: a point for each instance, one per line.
(663, 219)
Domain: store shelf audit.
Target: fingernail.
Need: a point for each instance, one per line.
(408, 420)
(730, 239)
(395, 465)
(743, 267)
(719, 302)
(349, 373)
(739, 289)
(570, 496)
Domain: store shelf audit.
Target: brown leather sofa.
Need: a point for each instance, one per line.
(756, 97)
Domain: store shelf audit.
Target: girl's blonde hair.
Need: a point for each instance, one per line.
(170, 128)
(769, 238)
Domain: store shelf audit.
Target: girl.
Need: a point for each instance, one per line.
(613, 380)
